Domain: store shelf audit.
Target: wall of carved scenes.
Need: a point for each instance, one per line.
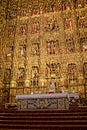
(44, 47)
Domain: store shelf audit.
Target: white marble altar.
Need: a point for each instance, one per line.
(45, 101)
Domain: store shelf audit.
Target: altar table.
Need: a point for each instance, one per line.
(58, 101)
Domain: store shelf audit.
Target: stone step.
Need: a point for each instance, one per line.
(43, 114)
(43, 127)
(43, 120)
(39, 111)
(54, 122)
(43, 117)
(42, 110)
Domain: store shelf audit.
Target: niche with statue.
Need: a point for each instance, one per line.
(52, 47)
(53, 69)
(52, 86)
(35, 76)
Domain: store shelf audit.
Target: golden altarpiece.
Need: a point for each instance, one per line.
(43, 47)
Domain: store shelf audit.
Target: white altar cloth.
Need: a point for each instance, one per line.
(32, 96)
(54, 95)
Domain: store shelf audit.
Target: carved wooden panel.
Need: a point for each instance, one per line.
(83, 44)
(35, 49)
(51, 24)
(21, 73)
(22, 51)
(20, 84)
(12, 9)
(70, 45)
(35, 25)
(35, 76)
(81, 3)
(53, 69)
(52, 47)
(11, 31)
(50, 6)
(65, 5)
(85, 70)
(72, 71)
(9, 53)
(67, 20)
(7, 76)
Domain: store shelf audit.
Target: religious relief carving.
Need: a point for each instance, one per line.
(81, 3)
(47, 8)
(35, 76)
(68, 23)
(35, 10)
(12, 13)
(22, 51)
(41, 7)
(34, 82)
(12, 9)
(53, 7)
(1, 21)
(85, 70)
(20, 84)
(0, 72)
(82, 23)
(50, 7)
(66, 5)
(2, 12)
(85, 3)
(23, 12)
(2, 29)
(1, 2)
(23, 8)
(52, 47)
(35, 25)
(72, 71)
(34, 7)
(9, 53)
(7, 76)
(81, 19)
(85, 81)
(83, 44)
(67, 20)
(50, 24)
(35, 72)
(11, 30)
(11, 3)
(22, 29)
(52, 86)
(53, 69)
(5, 97)
(35, 49)
(21, 74)
(70, 45)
